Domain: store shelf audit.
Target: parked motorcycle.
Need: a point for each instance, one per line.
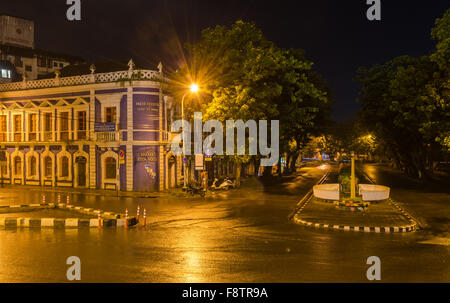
(226, 184)
(195, 190)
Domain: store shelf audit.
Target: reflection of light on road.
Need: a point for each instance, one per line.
(323, 166)
(192, 266)
(192, 261)
(370, 171)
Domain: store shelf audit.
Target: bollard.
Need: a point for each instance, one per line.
(137, 215)
(67, 200)
(59, 198)
(99, 219)
(126, 218)
(145, 218)
(43, 199)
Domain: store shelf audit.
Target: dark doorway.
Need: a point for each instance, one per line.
(81, 176)
(172, 173)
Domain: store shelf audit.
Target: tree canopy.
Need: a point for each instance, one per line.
(245, 76)
(406, 103)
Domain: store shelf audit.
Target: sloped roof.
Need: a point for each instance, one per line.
(30, 53)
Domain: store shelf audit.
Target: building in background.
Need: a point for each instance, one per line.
(89, 128)
(17, 46)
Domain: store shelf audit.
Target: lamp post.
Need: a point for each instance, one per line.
(352, 178)
(192, 89)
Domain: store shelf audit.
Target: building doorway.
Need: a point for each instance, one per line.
(172, 172)
(81, 171)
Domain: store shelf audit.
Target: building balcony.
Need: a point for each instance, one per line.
(52, 136)
(137, 75)
(107, 136)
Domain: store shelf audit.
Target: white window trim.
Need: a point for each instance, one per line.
(27, 159)
(59, 156)
(84, 154)
(76, 111)
(8, 131)
(23, 122)
(42, 118)
(8, 171)
(46, 153)
(27, 124)
(103, 157)
(58, 121)
(13, 156)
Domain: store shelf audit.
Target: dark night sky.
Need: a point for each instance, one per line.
(335, 34)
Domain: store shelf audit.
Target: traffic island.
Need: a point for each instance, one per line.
(380, 217)
(64, 216)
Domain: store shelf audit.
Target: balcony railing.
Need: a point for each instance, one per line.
(47, 136)
(107, 136)
(81, 135)
(131, 74)
(32, 136)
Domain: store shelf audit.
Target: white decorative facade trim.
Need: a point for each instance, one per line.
(45, 179)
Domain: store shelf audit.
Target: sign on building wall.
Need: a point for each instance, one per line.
(16, 31)
(199, 162)
(146, 168)
(104, 127)
(146, 112)
(121, 156)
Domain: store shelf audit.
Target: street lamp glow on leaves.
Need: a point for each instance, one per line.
(194, 88)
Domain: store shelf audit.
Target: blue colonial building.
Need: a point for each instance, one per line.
(94, 130)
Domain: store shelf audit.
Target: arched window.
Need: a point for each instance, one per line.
(64, 166)
(110, 164)
(48, 167)
(32, 166)
(3, 168)
(17, 166)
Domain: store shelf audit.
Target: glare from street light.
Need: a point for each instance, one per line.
(194, 88)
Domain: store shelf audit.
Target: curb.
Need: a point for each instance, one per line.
(367, 229)
(110, 219)
(396, 205)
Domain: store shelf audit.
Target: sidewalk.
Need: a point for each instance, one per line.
(175, 192)
(172, 193)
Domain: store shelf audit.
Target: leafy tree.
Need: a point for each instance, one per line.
(248, 77)
(406, 103)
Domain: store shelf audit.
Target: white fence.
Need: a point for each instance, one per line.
(83, 79)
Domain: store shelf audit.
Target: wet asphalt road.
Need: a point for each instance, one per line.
(240, 236)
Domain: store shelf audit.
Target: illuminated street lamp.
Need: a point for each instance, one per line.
(192, 89)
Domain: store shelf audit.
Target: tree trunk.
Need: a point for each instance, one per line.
(292, 167)
(267, 171)
(238, 168)
(257, 163)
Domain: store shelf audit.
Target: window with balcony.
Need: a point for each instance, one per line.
(81, 125)
(64, 125)
(3, 129)
(32, 127)
(48, 127)
(17, 128)
(48, 167)
(110, 165)
(18, 61)
(42, 62)
(110, 115)
(64, 166)
(6, 73)
(32, 166)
